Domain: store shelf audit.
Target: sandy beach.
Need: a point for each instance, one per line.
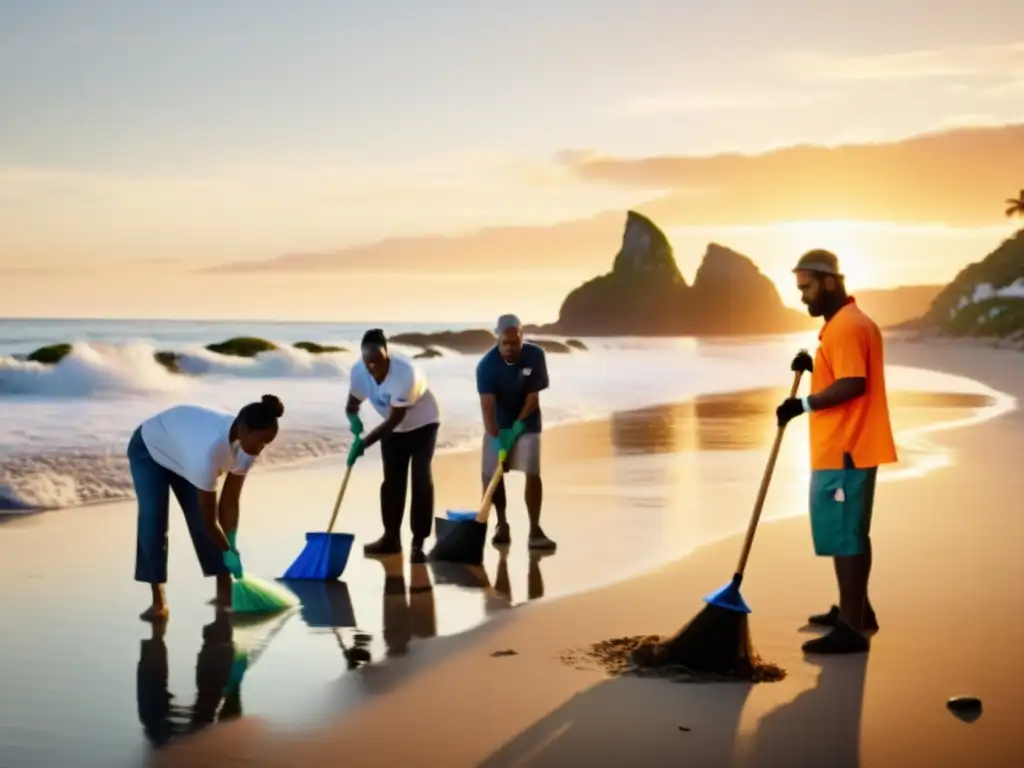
(85, 672)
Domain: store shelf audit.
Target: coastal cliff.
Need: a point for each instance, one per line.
(984, 301)
(644, 294)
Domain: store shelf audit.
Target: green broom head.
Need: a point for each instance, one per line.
(250, 594)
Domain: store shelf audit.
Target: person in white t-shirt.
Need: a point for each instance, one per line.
(399, 392)
(185, 449)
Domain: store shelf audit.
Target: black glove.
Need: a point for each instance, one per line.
(791, 408)
(802, 362)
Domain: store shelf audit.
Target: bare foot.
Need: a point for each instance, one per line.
(155, 613)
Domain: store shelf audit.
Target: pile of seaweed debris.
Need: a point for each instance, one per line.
(643, 656)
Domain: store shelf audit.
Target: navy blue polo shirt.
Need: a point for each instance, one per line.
(510, 383)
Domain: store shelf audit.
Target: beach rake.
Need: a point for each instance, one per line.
(462, 535)
(326, 554)
(717, 640)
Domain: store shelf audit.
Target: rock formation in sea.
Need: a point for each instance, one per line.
(644, 294)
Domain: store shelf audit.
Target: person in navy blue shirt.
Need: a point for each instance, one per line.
(509, 380)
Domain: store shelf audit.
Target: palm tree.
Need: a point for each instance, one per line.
(1015, 205)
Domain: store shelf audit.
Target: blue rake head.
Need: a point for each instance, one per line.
(729, 597)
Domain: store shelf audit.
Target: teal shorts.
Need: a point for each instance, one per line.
(841, 522)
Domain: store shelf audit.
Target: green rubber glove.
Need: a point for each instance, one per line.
(233, 563)
(355, 451)
(238, 670)
(355, 424)
(231, 557)
(507, 437)
(505, 440)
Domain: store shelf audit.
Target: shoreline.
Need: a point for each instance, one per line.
(14, 507)
(408, 679)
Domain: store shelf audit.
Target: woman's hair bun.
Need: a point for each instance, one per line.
(273, 402)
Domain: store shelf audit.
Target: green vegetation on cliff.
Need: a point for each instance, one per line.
(986, 298)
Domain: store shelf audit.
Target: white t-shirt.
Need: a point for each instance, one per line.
(193, 442)
(405, 386)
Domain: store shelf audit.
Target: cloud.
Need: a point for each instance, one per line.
(959, 178)
(247, 210)
(954, 176)
(958, 61)
(715, 101)
(579, 245)
(1009, 90)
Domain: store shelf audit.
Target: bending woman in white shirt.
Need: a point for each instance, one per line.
(186, 449)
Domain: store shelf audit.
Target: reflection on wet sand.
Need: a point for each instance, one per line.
(746, 420)
(408, 613)
(218, 684)
(328, 605)
(498, 595)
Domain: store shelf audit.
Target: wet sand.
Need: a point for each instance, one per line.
(87, 684)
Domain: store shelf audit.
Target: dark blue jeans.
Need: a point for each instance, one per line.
(153, 485)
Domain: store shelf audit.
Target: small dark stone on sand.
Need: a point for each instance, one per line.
(683, 728)
(506, 652)
(967, 708)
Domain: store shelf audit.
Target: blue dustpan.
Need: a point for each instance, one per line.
(462, 514)
(323, 559)
(326, 554)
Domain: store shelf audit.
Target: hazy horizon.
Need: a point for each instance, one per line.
(404, 163)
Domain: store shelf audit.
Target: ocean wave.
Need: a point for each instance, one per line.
(132, 369)
(65, 426)
(89, 369)
(284, 362)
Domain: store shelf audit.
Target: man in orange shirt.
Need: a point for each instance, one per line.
(850, 437)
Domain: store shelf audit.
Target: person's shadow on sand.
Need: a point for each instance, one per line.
(821, 726)
(700, 721)
(161, 719)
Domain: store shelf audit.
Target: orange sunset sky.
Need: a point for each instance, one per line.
(452, 160)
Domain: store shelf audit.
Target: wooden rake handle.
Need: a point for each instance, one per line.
(485, 505)
(765, 480)
(341, 495)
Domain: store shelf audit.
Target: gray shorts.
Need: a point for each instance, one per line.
(525, 456)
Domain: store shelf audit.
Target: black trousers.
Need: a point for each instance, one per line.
(404, 454)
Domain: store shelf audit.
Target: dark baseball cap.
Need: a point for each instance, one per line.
(819, 260)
